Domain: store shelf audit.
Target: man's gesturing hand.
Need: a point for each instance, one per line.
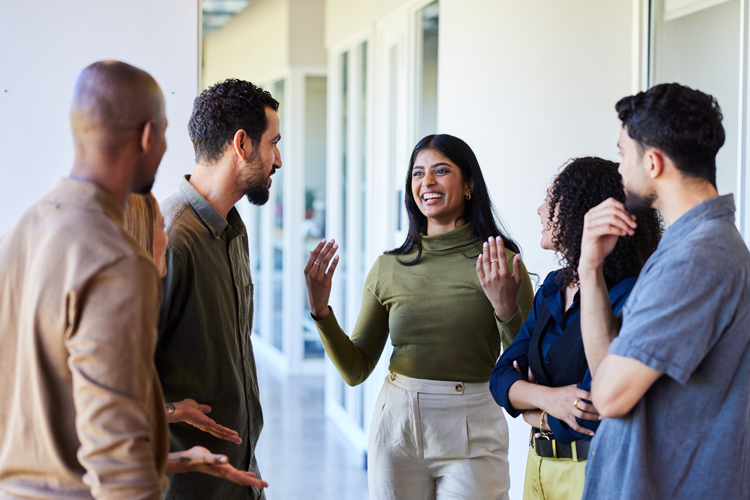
(318, 277)
(199, 459)
(193, 413)
(602, 226)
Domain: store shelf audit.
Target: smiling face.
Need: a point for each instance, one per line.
(439, 189)
(255, 176)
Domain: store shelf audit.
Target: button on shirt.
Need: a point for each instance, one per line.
(688, 317)
(204, 350)
(504, 375)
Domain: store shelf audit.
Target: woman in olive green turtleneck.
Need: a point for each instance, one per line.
(436, 429)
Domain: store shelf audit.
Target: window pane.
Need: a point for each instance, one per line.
(313, 224)
(428, 70)
(342, 239)
(278, 236)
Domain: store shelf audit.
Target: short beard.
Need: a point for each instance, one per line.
(256, 194)
(638, 204)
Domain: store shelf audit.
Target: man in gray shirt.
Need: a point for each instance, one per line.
(671, 377)
(204, 350)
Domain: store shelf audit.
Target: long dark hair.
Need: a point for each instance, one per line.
(582, 184)
(478, 210)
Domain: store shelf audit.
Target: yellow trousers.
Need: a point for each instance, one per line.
(553, 478)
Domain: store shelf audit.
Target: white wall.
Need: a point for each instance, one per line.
(43, 46)
(534, 85)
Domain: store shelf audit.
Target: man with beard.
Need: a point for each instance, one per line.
(204, 350)
(671, 375)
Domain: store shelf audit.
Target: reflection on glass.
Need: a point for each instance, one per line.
(393, 127)
(255, 262)
(362, 146)
(428, 77)
(698, 44)
(278, 236)
(313, 224)
(342, 239)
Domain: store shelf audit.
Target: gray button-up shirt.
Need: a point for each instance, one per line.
(689, 317)
(204, 350)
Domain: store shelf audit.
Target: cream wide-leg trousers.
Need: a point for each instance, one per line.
(435, 440)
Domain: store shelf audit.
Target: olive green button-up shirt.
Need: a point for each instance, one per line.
(204, 350)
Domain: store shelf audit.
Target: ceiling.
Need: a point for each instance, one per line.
(216, 13)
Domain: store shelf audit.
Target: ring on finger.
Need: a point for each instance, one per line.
(575, 404)
(494, 260)
(316, 263)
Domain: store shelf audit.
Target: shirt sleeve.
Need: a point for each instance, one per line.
(510, 328)
(504, 375)
(356, 357)
(675, 319)
(111, 349)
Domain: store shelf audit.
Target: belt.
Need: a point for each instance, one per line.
(577, 450)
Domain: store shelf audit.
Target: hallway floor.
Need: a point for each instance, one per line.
(300, 453)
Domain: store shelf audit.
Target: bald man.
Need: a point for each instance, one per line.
(81, 408)
(81, 411)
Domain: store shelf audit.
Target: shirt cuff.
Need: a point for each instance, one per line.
(623, 346)
(509, 329)
(327, 325)
(500, 383)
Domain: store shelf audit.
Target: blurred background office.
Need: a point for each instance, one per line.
(528, 84)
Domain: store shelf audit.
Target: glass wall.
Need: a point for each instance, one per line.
(698, 44)
(428, 70)
(342, 238)
(277, 334)
(363, 198)
(313, 223)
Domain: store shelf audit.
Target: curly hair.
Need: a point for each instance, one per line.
(582, 184)
(684, 123)
(223, 109)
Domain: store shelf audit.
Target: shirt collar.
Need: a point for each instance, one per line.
(208, 214)
(88, 196)
(718, 207)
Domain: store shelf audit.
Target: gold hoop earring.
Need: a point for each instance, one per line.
(468, 197)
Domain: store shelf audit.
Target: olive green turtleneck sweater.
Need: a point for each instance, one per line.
(442, 325)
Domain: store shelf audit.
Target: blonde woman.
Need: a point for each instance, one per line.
(144, 222)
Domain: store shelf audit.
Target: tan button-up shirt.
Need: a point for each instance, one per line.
(81, 408)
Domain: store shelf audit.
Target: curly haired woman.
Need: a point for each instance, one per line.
(544, 374)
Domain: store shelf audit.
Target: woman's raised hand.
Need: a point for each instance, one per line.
(318, 277)
(500, 286)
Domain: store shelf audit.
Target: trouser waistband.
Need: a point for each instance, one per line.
(437, 386)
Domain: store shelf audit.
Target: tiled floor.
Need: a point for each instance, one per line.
(300, 453)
